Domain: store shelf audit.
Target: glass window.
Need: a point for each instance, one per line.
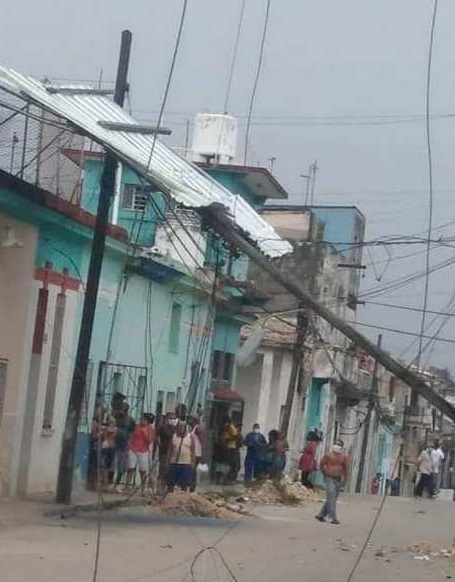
(222, 366)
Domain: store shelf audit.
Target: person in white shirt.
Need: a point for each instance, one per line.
(437, 457)
(198, 436)
(424, 467)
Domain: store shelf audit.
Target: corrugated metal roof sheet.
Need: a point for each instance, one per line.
(184, 181)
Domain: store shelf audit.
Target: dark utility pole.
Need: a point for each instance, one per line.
(296, 370)
(367, 421)
(107, 186)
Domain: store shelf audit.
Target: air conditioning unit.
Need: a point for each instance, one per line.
(152, 251)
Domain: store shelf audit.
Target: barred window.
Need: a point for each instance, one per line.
(135, 197)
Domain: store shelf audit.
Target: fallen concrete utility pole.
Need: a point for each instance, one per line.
(226, 229)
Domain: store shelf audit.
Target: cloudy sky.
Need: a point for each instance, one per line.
(343, 83)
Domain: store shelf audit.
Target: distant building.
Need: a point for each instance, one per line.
(326, 384)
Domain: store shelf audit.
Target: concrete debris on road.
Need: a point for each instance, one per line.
(222, 506)
(284, 492)
(425, 551)
(299, 491)
(194, 504)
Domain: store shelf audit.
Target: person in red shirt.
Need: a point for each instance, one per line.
(334, 467)
(307, 463)
(138, 452)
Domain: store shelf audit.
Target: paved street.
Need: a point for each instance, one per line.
(277, 543)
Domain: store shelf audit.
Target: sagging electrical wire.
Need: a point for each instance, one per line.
(163, 104)
(374, 524)
(430, 181)
(234, 55)
(256, 82)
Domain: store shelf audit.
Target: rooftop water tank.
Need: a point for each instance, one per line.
(214, 138)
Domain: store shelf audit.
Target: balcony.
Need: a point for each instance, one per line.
(417, 416)
(386, 408)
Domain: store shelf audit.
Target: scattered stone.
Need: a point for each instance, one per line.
(284, 492)
(194, 504)
(425, 551)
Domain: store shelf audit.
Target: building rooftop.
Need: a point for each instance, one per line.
(88, 112)
(302, 207)
(52, 202)
(260, 181)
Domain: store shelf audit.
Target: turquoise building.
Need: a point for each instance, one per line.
(171, 304)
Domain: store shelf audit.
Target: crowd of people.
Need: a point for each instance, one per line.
(264, 458)
(165, 450)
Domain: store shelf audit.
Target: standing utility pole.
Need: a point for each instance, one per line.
(310, 184)
(107, 186)
(296, 370)
(366, 424)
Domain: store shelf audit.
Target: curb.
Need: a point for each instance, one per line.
(64, 512)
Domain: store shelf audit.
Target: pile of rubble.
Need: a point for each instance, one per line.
(181, 503)
(294, 489)
(425, 551)
(284, 492)
(218, 505)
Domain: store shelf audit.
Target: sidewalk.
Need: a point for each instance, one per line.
(35, 508)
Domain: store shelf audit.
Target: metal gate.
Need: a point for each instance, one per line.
(131, 381)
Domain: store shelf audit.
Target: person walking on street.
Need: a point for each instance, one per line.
(425, 469)
(437, 457)
(255, 443)
(307, 463)
(334, 467)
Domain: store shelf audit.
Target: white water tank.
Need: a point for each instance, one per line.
(214, 138)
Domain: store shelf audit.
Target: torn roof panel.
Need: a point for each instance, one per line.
(184, 181)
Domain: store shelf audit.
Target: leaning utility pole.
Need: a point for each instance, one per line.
(296, 370)
(366, 424)
(217, 218)
(107, 187)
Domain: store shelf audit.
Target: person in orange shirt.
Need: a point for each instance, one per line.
(334, 467)
(138, 451)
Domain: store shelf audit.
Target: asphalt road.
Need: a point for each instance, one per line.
(277, 543)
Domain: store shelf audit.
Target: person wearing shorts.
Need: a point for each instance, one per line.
(181, 456)
(138, 452)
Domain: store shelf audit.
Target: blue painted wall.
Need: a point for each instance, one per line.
(66, 244)
(233, 181)
(227, 335)
(341, 225)
(128, 219)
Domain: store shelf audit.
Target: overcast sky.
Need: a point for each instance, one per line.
(326, 63)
